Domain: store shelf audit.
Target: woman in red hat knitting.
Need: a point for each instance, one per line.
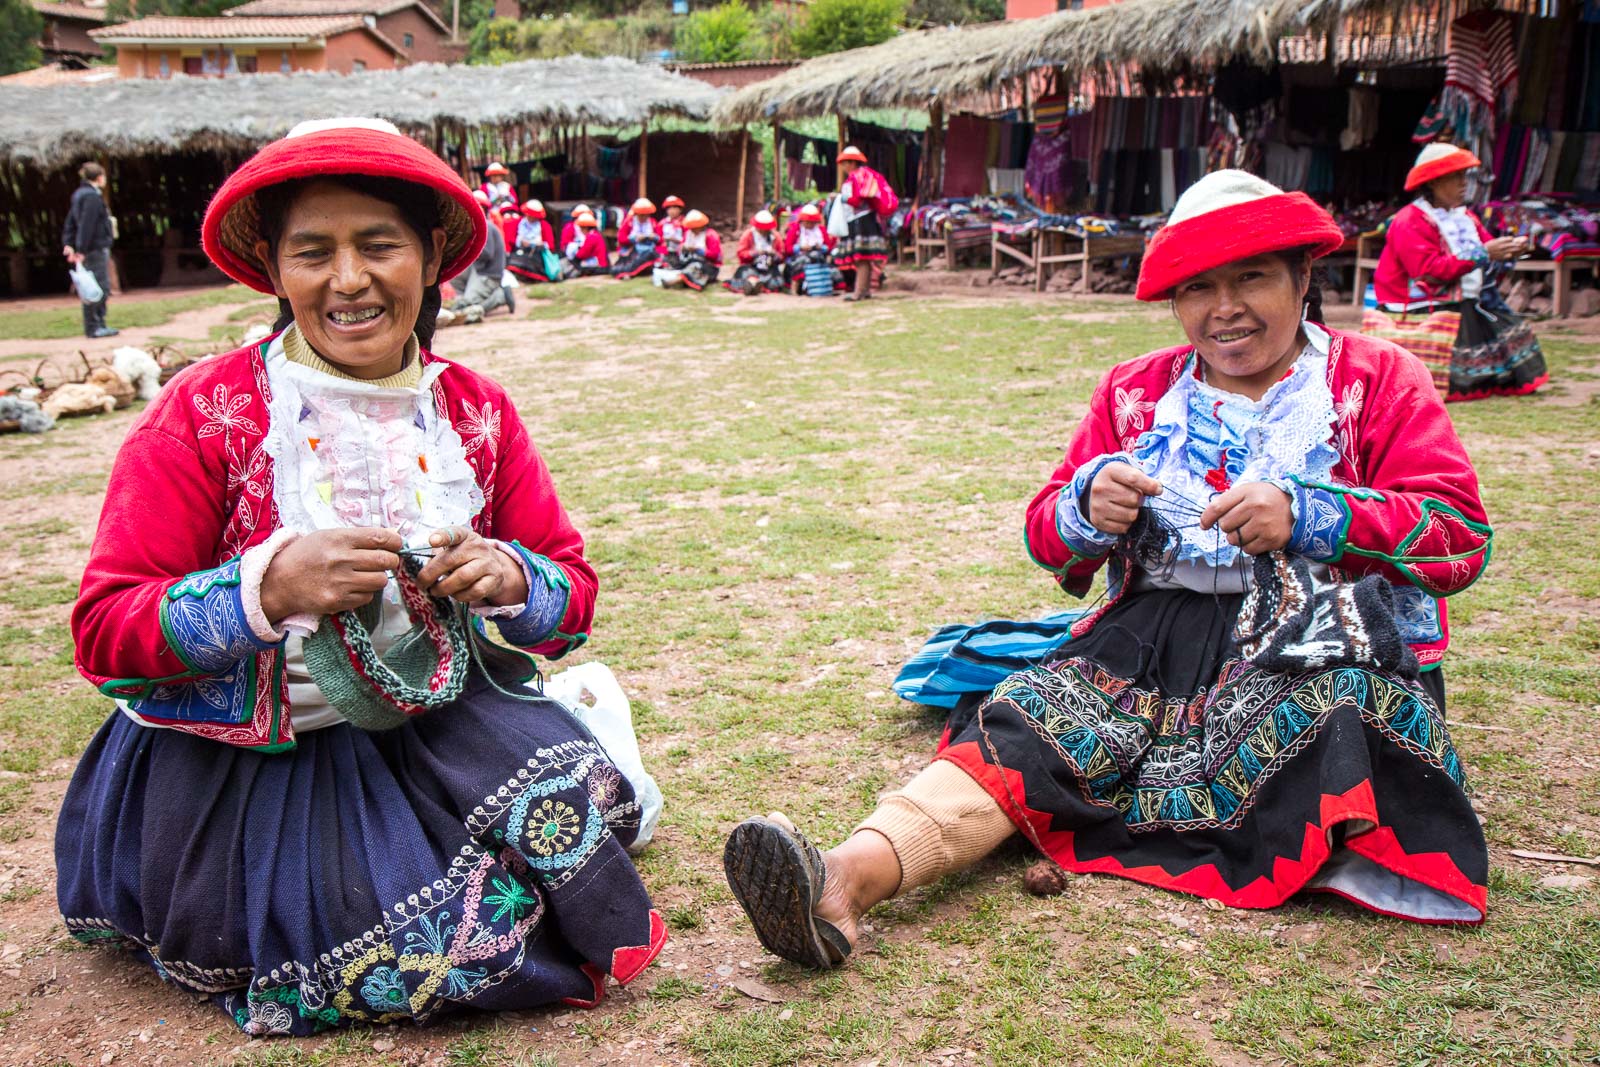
(1257, 708)
(638, 241)
(532, 254)
(325, 796)
(672, 225)
(807, 243)
(760, 255)
(698, 259)
(1435, 286)
(868, 201)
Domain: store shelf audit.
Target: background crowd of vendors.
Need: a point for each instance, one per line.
(835, 244)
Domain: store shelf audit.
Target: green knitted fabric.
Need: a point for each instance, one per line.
(378, 692)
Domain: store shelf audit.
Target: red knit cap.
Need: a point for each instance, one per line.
(1228, 216)
(369, 147)
(1437, 160)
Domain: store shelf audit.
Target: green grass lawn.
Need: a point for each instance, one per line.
(781, 506)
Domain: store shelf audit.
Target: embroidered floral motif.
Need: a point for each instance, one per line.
(480, 427)
(552, 827)
(384, 991)
(222, 413)
(511, 898)
(1131, 408)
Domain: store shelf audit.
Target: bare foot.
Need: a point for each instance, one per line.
(862, 871)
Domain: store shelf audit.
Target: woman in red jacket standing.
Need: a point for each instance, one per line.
(1257, 708)
(1436, 293)
(324, 796)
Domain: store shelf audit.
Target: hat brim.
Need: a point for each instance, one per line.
(1457, 161)
(232, 225)
(1280, 223)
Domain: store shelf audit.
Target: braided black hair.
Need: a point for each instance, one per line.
(418, 207)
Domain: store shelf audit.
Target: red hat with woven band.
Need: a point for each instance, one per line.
(1437, 160)
(322, 149)
(811, 213)
(1227, 216)
(764, 221)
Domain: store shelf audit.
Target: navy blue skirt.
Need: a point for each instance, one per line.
(474, 857)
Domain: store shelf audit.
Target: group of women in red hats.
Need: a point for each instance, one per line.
(799, 259)
(325, 796)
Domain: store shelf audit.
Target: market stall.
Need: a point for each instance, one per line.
(168, 143)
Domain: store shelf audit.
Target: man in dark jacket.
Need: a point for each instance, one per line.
(86, 239)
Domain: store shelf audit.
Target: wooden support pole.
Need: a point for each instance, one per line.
(844, 139)
(744, 165)
(644, 158)
(777, 160)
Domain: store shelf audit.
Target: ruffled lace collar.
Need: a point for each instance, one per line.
(348, 453)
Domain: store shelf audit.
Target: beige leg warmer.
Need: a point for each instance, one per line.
(940, 822)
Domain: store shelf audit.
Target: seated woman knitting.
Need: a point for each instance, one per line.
(1258, 708)
(325, 796)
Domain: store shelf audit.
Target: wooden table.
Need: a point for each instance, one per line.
(1041, 250)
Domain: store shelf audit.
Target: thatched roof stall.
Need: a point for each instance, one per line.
(1155, 37)
(60, 125)
(169, 143)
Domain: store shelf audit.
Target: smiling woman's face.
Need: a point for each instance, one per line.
(354, 272)
(1243, 318)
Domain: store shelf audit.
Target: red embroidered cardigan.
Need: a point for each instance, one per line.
(1402, 500)
(1415, 251)
(192, 490)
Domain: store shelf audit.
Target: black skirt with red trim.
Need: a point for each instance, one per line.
(1148, 749)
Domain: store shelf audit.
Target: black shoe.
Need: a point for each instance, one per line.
(105, 331)
(778, 876)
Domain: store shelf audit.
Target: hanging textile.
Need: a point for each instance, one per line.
(966, 151)
(1479, 83)
(1046, 170)
(1049, 113)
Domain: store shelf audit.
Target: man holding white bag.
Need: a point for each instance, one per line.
(86, 241)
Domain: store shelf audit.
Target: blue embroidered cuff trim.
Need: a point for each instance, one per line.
(1072, 525)
(204, 621)
(1320, 522)
(548, 593)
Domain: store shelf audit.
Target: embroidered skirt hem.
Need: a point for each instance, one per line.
(1146, 749)
(470, 858)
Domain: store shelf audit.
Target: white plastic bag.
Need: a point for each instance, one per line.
(509, 281)
(86, 283)
(610, 719)
(839, 217)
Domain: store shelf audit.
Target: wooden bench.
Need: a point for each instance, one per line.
(949, 243)
(1561, 273)
(1042, 250)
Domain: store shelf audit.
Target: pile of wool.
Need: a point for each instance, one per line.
(28, 416)
(140, 368)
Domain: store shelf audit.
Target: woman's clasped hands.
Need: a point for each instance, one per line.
(1256, 517)
(328, 571)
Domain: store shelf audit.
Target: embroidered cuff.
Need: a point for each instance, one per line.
(1320, 520)
(1072, 525)
(253, 567)
(203, 619)
(548, 591)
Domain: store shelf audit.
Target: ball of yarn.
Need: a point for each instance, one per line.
(1045, 879)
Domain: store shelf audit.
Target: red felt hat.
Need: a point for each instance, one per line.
(1437, 160)
(672, 201)
(852, 154)
(695, 220)
(643, 206)
(367, 147)
(495, 168)
(811, 212)
(1227, 216)
(533, 209)
(763, 220)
